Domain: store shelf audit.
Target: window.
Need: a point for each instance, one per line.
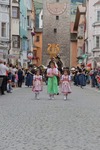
(14, 1)
(98, 15)
(81, 31)
(55, 30)
(15, 12)
(28, 21)
(57, 0)
(16, 41)
(3, 29)
(57, 17)
(37, 39)
(97, 41)
(41, 17)
(35, 53)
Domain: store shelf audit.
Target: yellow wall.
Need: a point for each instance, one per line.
(39, 49)
(73, 51)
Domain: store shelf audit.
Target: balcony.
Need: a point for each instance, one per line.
(96, 49)
(80, 37)
(97, 23)
(4, 2)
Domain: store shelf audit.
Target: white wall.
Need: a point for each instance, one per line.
(15, 26)
(40, 19)
(4, 17)
(90, 20)
(14, 22)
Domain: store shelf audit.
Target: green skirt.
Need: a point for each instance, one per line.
(52, 85)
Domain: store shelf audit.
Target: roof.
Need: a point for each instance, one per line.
(97, 3)
(38, 30)
(38, 4)
(81, 10)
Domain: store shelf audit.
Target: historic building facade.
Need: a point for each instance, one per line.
(92, 34)
(4, 29)
(15, 36)
(56, 28)
(79, 27)
(23, 32)
(37, 50)
(30, 26)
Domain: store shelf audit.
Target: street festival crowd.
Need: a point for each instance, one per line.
(54, 76)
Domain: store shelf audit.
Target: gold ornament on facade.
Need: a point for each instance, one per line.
(53, 50)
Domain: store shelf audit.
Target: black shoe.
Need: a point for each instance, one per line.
(81, 87)
(2, 93)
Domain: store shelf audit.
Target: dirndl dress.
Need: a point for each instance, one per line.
(65, 87)
(37, 87)
(52, 86)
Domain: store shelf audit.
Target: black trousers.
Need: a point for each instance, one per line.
(4, 84)
(20, 83)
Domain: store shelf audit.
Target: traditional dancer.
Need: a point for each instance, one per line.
(52, 85)
(65, 84)
(37, 84)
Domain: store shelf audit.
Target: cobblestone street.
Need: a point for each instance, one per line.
(28, 124)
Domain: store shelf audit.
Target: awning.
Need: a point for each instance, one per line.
(80, 61)
(84, 56)
(10, 56)
(89, 65)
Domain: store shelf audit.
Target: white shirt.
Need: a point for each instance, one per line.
(14, 70)
(3, 69)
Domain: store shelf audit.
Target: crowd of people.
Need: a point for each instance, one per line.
(82, 76)
(54, 75)
(10, 77)
(13, 77)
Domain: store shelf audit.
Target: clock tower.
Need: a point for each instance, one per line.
(56, 28)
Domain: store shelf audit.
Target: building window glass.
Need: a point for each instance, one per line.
(15, 12)
(97, 41)
(57, 17)
(37, 38)
(16, 41)
(28, 21)
(57, 0)
(41, 17)
(98, 16)
(3, 29)
(55, 30)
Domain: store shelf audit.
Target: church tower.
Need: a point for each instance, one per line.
(56, 28)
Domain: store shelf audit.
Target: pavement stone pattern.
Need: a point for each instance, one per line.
(29, 124)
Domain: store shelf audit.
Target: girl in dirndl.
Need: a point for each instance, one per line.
(66, 84)
(52, 86)
(37, 84)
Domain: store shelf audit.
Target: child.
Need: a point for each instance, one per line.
(52, 74)
(98, 80)
(37, 84)
(9, 82)
(16, 79)
(65, 83)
